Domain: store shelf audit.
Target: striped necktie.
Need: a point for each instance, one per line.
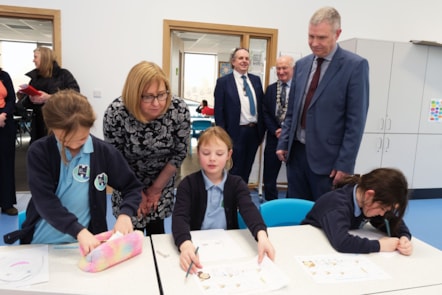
(249, 94)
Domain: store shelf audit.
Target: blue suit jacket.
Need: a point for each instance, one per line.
(228, 105)
(337, 113)
(269, 109)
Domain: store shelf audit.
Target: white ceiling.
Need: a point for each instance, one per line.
(25, 30)
(208, 43)
(40, 31)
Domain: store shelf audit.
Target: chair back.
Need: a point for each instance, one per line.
(285, 212)
(198, 126)
(21, 218)
(241, 222)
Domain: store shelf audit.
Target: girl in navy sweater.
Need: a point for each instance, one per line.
(379, 197)
(210, 199)
(68, 172)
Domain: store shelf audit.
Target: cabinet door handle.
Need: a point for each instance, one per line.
(381, 127)
(387, 144)
(379, 144)
(388, 124)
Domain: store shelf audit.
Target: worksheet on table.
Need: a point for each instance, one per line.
(24, 267)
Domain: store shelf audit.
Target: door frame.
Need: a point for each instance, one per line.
(244, 32)
(39, 14)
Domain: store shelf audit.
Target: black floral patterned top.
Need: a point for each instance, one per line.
(148, 147)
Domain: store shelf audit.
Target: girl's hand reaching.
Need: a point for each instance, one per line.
(87, 241)
(265, 247)
(187, 256)
(388, 244)
(123, 224)
(405, 247)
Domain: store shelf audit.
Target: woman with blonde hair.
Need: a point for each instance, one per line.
(48, 78)
(151, 128)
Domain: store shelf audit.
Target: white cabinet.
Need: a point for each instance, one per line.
(406, 88)
(387, 150)
(379, 55)
(432, 91)
(404, 78)
(428, 167)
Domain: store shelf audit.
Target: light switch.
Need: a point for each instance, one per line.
(97, 93)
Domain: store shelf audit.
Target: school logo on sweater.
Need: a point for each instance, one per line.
(81, 173)
(100, 181)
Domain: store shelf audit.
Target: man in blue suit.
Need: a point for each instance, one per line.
(274, 110)
(320, 144)
(238, 109)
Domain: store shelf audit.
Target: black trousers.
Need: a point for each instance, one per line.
(153, 227)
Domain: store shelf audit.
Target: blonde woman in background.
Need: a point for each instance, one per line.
(47, 77)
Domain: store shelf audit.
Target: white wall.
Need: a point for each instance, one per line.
(103, 39)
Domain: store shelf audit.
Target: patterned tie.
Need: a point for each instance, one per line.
(311, 90)
(282, 102)
(283, 94)
(249, 94)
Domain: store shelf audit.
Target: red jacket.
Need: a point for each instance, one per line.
(208, 111)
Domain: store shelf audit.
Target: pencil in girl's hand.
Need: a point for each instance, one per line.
(191, 263)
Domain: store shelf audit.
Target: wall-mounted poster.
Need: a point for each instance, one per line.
(435, 112)
(224, 68)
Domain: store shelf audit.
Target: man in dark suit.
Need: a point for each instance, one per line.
(320, 144)
(274, 110)
(238, 109)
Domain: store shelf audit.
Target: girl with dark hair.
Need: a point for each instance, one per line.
(380, 197)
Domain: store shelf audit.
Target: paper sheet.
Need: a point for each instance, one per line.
(24, 267)
(213, 244)
(247, 277)
(340, 268)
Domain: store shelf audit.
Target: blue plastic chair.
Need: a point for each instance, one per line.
(21, 218)
(241, 223)
(285, 212)
(198, 126)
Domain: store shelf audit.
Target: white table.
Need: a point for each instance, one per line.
(133, 276)
(426, 290)
(420, 270)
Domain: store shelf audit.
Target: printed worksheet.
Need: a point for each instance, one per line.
(213, 244)
(24, 267)
(247, 277)
(337, 268)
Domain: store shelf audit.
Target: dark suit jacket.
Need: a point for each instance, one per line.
(336, 115)
(269, 109)
(228, 105)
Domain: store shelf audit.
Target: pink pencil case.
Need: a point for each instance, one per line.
(112, 252)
